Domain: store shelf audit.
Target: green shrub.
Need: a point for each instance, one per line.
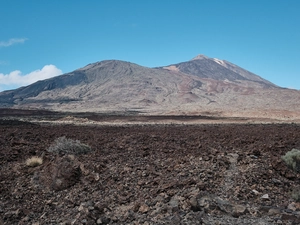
(292, 159)
(63, 145)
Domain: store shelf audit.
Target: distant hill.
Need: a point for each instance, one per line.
(202, 85)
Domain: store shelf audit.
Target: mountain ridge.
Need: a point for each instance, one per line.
(196, 86)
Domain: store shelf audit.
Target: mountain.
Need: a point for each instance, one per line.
(202, 85)
(217, 69)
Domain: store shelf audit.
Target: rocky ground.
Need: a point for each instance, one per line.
(150, 174)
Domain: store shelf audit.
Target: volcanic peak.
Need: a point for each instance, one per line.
(200, 56)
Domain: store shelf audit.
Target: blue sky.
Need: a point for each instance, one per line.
(40, 39)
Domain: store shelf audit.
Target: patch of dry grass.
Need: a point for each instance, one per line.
(34, 161)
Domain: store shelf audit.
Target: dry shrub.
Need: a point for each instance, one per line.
(292, 159)
(34, 161)
(63, 146)
(296, 195)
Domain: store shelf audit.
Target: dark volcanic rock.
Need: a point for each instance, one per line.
(163, 174)
(61, 173)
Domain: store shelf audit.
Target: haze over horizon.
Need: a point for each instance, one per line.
(46, 39)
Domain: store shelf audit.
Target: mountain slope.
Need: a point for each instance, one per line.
(217, 69)
(201, 85)
(111, 82)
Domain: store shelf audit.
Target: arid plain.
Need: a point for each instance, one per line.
(142, 170)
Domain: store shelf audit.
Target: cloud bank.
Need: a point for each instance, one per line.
(16, 79)
(12, 41)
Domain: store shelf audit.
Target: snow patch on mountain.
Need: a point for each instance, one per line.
(219, 61)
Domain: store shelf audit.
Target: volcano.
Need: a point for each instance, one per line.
(201, 85)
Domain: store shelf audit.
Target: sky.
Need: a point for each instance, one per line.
(40, 39)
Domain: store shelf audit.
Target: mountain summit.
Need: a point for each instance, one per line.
(205, 67)
(200, 56)
(201, 85)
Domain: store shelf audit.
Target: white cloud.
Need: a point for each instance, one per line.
(12, 41)
(16, 78)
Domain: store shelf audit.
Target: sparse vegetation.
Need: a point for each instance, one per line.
(63, 145)
(191, 170)
(34, 161)
(296, 195)
(292, 159)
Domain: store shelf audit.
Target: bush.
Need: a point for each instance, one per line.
(296, 195)
(63, 145)
(292, 159)
(34, 161)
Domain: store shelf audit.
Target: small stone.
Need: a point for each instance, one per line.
(173, 203)
(103, 220)
(275, 181)
(255, 191)
(290, 217)
(297, 205)
(144, 208)
(239, 210)
(26, 218)
(80, 208)
(136, 207)
(100, 206)
(89, 203)
(292, 206)
(96, 176)
(274, 211)
(204, 202)
(265, 196)
(194, 204)
(67, 222)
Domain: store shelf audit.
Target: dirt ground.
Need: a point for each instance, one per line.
(149, 174)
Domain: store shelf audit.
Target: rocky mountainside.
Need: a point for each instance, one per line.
(201, 85)
(217, 69)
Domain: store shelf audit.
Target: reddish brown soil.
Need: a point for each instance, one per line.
(150, 175)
